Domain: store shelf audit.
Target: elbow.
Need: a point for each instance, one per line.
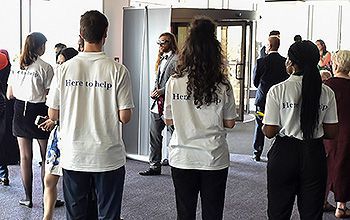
(125, 116)
(330, 131)
(125, 119)
(267, 134)
(331, 134)
(270, 131)
(229, 124)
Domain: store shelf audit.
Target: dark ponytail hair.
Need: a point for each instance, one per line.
(306, 56)
(30, 51)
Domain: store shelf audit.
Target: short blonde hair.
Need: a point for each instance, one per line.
(342, 59)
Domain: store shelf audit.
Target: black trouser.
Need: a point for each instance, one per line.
(296, 168)
(108, 187)
(210, 183)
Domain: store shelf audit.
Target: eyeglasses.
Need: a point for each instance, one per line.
(162, 42)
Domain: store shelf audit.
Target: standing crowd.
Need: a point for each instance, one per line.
(301, 101)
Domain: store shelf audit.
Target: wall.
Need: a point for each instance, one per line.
(114, 11)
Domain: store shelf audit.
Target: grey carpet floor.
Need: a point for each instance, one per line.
(152, 198)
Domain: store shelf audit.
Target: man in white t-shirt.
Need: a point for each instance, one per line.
(91, 96)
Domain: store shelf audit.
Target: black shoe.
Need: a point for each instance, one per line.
(150, 172)
(256, 158)
(165, 162)
(59, 203)
(27, 203)
(5, 181)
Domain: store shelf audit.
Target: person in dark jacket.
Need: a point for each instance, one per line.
(268, 71)
(9, 153)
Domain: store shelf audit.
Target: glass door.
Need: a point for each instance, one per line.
(236, 45)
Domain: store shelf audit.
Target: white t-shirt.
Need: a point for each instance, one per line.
(283, 108)
(199, 140)
(88, 91)
(31, 84)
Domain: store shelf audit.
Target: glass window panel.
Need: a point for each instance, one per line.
(345, 31)
(241, 4)
(325, 24)
(288, 18)
(64, 22)
(216, 4)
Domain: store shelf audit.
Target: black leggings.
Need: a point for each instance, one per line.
(296, 168)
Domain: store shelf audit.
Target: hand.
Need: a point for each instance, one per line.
(155, 94)
(47, 125)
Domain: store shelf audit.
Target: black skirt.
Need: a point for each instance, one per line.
(25, 114)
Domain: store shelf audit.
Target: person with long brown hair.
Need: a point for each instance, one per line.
(200, 104)
(29, 84)
(165, 66)
(325, 56)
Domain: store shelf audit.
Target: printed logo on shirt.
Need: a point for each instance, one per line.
(180, 97)
(185, 97)
(290, 105)
(25, 73)
(88, 84)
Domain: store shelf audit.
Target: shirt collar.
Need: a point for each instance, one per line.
(167, 55)
(295, 78)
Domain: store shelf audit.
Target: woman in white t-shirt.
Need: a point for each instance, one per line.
(200, 104)
(300, 112)
(29, 84)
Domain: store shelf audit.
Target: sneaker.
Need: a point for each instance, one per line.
(59, 203)
(150, 172)
(26, 203)
(5, 181)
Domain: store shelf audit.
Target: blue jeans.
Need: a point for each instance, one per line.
(4, 172)
(109, 191)
(259, 137)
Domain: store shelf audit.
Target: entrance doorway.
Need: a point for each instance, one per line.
(141, 30)
(236, 43)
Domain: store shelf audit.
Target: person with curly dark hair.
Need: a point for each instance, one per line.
(300, 112)
(200, 104)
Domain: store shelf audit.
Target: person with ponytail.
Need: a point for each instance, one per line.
(300, 112)
(199, 102)
(29, 84)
